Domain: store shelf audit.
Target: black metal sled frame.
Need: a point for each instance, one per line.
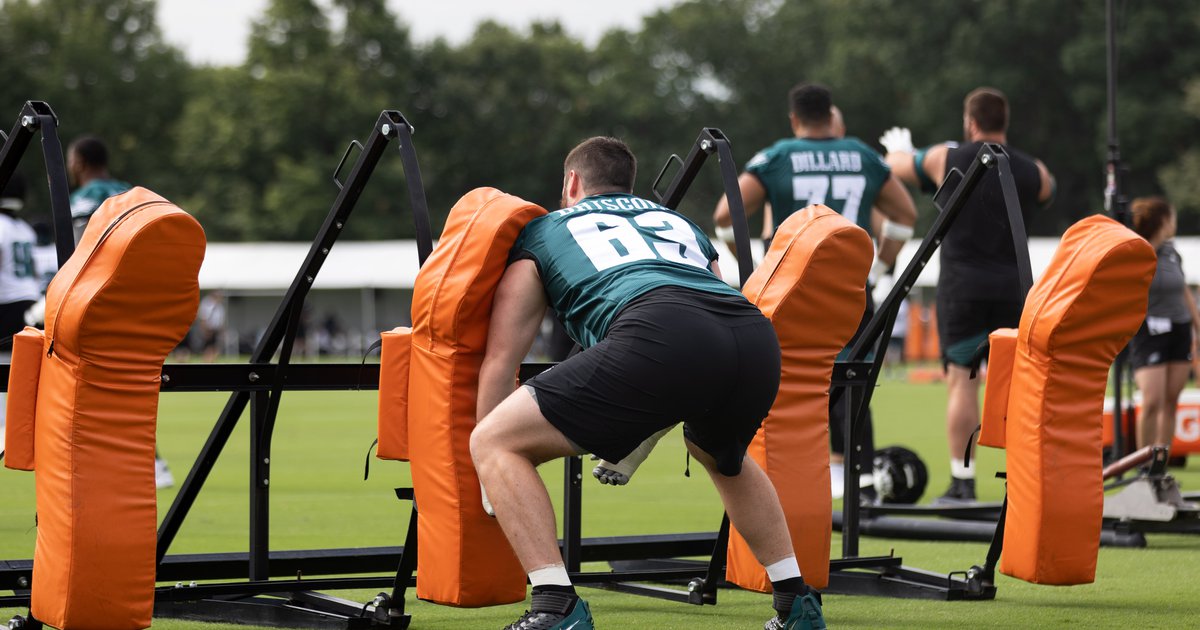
(35, 117)
(856, 378)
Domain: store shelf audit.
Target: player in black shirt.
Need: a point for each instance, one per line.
(978, 290)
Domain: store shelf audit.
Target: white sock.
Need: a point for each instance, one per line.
(960, 470)
(784, 569)
(555, 575)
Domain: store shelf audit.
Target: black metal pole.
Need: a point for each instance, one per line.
(385, 128)
(713, 140)
(1115, 204)
(572, 513)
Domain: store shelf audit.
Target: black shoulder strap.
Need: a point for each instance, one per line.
(1016, 221)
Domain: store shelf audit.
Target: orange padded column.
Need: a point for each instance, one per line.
(464, 558)
(1002, 348)
(21, 403)
(119, 305)
(393, 393)
(811, 285)
(1082, 311)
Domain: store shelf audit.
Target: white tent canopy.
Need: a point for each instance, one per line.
(273, 266)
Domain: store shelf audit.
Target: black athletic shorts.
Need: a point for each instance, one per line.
(12, 319)
(964, 324)
(1170, 346)
(672, 355)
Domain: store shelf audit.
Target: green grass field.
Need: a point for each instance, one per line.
(319, 499)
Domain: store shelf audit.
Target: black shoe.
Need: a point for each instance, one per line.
(578, 616)
(960, 491)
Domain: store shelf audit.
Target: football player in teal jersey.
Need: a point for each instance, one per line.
(665, 341)
(87, 164)
(819, 165)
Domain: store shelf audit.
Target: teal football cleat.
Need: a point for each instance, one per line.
(805, 615)
(578, 617)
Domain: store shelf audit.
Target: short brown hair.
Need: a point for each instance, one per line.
(604, 164)
(988, 108)
(1149, 215)
(811, 103)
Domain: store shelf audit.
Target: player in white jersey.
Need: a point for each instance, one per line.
(18, 277)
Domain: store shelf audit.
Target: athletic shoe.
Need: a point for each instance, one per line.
(805, 615)
(579, 617)
(960, 491)
(162, 475)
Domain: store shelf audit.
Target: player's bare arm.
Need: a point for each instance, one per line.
(517, 312)
(899, 216)
(753, 197)
(1046, 192)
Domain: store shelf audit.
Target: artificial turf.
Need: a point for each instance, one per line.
(319, 499)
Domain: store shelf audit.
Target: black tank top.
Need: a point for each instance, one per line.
(978, 261)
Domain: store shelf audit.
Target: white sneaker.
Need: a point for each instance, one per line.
(837, 480)
(162, 475)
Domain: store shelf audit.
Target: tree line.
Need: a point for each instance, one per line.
(250, 149)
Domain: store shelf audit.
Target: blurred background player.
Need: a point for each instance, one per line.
(819, 165)
(18, 276)
(87, 166)
(978, 290)
(1161, 352)
(211, 317)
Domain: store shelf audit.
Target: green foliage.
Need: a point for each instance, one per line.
(250, 149)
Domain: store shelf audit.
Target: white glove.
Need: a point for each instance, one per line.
(620, 473)
(897, 139)
(35, 315)
(878, 270)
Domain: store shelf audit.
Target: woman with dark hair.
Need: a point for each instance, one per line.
(1161, 351)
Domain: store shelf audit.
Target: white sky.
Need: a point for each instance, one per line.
(214, 31)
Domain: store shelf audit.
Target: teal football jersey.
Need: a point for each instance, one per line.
(87, 199)
(842, 173)
(597, 256)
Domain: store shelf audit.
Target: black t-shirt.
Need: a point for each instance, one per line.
(977, 257)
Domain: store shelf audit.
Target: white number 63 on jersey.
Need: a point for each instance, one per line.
(609, 240)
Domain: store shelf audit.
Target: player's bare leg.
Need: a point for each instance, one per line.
(962, 416)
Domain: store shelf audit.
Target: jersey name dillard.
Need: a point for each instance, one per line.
(826, 161)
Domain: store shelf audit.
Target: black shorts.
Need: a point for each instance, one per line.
(12, 318)
(672, 355)
(964, 324)
(1173, 346)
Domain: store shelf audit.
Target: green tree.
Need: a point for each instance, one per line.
(105, 69)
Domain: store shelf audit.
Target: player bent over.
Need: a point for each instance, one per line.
(665, 340)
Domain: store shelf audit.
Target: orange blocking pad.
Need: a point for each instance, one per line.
(1002, 348)
(20, 407)
(119, 305)
(811, 285)
(393, 393)
(464, 558)
(1083, 310)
